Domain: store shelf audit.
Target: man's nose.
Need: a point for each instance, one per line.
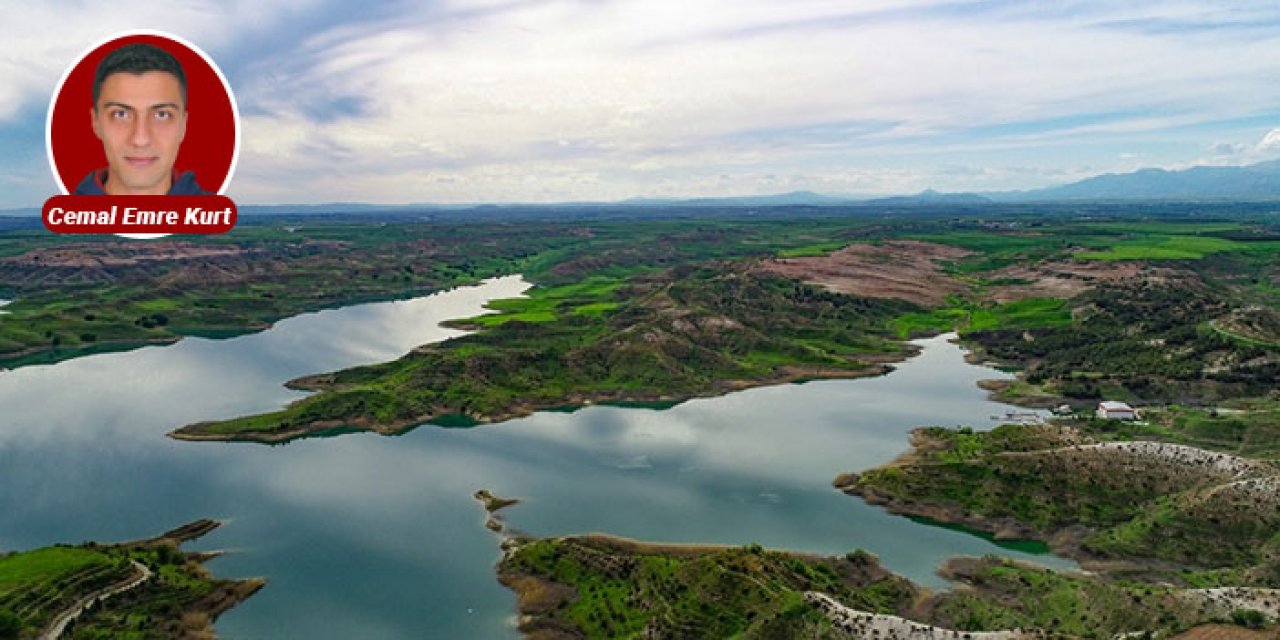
(140, 136)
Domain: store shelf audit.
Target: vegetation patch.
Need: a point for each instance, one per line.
(1145, 501)
(591, 297)
(1142, 341)
(600, 587)
(811, 251)
(147, 589)
(616, 589)
(1157, 247)
(1029, 313)
(1003, 594)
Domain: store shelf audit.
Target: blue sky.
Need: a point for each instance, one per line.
(561, 100)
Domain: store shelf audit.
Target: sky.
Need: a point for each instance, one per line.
(453, 101)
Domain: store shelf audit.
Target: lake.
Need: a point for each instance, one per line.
(368, 536)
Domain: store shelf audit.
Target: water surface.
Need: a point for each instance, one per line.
(365, 536)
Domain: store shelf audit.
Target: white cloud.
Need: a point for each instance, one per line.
(624, 88)
(1271, 142)
(41, 39)
(562, 99)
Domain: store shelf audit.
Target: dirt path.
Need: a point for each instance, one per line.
(59, 623)
(1184, 456)
(878, 625)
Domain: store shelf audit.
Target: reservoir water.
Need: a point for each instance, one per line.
(365, 536)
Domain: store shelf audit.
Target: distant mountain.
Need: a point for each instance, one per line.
(929, 197)
(775, 200)
(309, 209)
(1252, 183)
(1248, 183)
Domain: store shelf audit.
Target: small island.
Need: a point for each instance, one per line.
(147, 589)
(492, 505)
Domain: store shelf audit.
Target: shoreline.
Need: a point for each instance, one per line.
(45, 354)
(34, 356)
(1065, 542)
(197, 432)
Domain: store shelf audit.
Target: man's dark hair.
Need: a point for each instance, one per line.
(138, 59)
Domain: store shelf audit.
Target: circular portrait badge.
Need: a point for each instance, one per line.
(143, 112)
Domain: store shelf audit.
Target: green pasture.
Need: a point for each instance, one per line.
(1164, 247)
(1031, 313)
(591, 297)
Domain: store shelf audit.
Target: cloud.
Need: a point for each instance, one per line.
(1271, 142)
(563, 99)
(42, 39)
(608, 92)
(1228, 149)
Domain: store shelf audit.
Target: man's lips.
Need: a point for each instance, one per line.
(141, 161)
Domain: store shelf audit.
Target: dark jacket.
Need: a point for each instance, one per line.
(183, 185)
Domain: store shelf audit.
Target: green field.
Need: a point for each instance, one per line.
(1030, 313)
(36, 585)
(1164, 247)
(591, 297)
(812, 250)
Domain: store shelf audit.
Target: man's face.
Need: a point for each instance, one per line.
(141, 120)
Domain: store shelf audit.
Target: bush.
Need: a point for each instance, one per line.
(1251, 618)
(10, 624)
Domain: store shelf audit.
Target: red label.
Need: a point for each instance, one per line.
(139, 214)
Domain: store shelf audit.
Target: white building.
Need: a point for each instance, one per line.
(1112, 410)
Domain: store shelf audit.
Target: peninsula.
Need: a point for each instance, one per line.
(148, 589)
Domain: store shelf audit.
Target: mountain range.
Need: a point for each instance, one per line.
(1250, 183)
(1255, 182)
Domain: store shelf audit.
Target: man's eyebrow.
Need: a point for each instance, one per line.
(162, 105)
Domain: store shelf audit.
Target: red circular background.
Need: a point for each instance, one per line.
(209, 145)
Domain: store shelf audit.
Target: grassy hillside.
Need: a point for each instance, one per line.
(599, 587)
(602, 588)
(95, 294)
(1147, 501)
(177, 598)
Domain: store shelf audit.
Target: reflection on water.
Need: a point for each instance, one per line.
(374, 537)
